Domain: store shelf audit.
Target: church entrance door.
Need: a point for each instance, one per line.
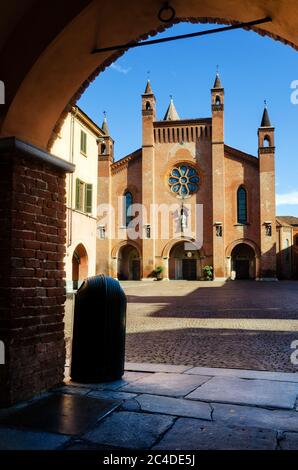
(189, 269)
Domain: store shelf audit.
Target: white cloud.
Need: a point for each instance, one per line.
(288, 198)
(120, 69)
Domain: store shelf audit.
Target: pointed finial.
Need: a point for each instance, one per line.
(104, 126)
(171, 114)
(217, 82)
(148, 89)
(265, 118)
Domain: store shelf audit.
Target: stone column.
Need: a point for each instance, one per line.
(32, 284)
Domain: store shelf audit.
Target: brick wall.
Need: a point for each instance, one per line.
(32, 293)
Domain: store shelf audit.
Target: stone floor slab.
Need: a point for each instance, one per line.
(15, 439)
(235, 415)
(174, 406)
(62, 414)
(289, 441)
(126, 430)
(244, 374)
(192, 434)
(175, 385)
(262, 393)
(111, 394)
(150, 367)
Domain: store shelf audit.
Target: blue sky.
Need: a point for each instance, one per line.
(252, 69)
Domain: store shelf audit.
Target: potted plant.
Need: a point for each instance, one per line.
(208, 273)
(158, 272)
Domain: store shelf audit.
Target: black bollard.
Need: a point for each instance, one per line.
(98, 347)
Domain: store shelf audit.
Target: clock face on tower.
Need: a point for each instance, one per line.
(183, 180)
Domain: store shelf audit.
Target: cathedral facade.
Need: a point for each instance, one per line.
(186, 203)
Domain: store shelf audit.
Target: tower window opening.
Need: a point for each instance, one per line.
(148, 106)
(217, 100)
(267, 142)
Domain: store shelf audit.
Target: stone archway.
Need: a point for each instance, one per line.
(42, 79)
(37, 100)
(128, 263)
(184, 262)
(79, 265)
(243, 262)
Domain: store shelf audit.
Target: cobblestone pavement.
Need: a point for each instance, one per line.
(160, 407)
(247, 325)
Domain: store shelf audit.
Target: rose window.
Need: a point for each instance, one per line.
(184, 180)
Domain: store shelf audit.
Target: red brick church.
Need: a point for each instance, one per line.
(197, 185)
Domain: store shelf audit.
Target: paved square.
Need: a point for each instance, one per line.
(237, 324)
(173, 385)
(174, 406)
(192, 434)
(126, 430)
(248, 392)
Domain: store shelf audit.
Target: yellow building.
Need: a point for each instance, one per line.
(78, 143)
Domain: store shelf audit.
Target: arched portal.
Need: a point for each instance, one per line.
(129, 263)
(243, 262)
(184, 262)
(79, 265)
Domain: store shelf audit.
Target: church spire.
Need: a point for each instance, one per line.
(148, 89)
(105, 126)
(171, 114)
(217, 82)
(265, 119)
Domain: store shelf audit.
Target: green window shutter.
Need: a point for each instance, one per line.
(77, 204)
(88, 198)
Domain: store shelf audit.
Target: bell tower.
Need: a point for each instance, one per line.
(267, 197)
(104, 226)
(218, 179)
(148, 179)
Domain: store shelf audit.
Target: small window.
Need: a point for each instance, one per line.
(241, 206)
(83, 142)
(83, 196)
(102, 232)
(148, 106)
(128, 201)
(267, 142)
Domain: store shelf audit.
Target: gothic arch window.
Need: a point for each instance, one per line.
(103, 149)
(217, 100)
(267, 141)
(128, 201)
(241, 205)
